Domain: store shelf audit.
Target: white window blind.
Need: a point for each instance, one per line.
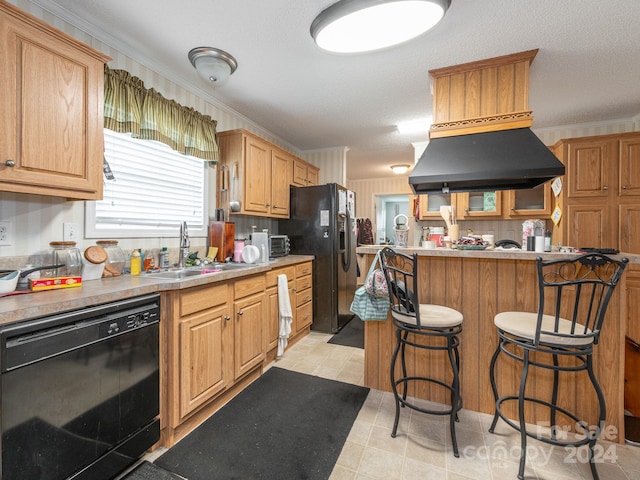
(155, 189)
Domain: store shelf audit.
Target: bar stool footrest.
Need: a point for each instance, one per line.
(587, 437)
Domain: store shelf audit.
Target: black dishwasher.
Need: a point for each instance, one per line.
(80, 391)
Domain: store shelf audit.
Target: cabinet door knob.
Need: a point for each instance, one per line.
(624, 187)
(606, 187)
(240, 312)
(227, 317)
(10, 163)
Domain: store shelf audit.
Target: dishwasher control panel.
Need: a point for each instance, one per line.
(130, 320)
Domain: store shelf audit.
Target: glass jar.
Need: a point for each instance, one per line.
(68, 255)
(115, 258)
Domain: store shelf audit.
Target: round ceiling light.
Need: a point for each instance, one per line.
(400, 169)
(355, 26)
(214, 65)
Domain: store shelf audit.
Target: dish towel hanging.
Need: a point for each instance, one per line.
(286, 316)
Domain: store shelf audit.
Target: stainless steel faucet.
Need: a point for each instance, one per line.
(184, 245)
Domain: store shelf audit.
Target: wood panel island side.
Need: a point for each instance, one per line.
(481, 284)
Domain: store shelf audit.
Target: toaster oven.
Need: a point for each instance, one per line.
(278, 245)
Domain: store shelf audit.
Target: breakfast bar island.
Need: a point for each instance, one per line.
(480, 284)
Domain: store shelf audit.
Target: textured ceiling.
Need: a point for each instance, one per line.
(587, 69)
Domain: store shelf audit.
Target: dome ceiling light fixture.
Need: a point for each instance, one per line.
(213, 64)
(400, 169)
(356, 26)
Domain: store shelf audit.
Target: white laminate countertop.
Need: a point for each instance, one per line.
(23, 306)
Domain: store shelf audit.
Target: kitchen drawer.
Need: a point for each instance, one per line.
(249, 286)
(201, 298)
(302, 283)
(272, 275)
(303, 297)
(305, 268)
(304, 316)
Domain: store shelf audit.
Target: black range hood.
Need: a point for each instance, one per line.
(499, 160)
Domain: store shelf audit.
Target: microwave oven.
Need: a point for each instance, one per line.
(278, 245)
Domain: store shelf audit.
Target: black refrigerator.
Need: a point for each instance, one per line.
(322, 223)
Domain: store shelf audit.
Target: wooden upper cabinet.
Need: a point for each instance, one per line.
(51, 131)
(601, 191)
(590, 226)
(280, 165)
(630, 166)
(534, 202)
(629, 221)
(590, 167)
(257, 173)
(429, 208)
(304, 174)
(479, 204)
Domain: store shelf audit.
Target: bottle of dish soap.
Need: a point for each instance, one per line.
(136, 263)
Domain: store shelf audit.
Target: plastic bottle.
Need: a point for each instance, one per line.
(163, 258)
(136, 264)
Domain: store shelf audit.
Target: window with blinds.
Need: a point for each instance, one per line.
(154, 189)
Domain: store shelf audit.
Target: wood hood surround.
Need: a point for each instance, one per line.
(481, 139)
(483, 96)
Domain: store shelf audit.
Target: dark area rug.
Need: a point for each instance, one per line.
(285, 425)
(351, 335)
(149, 471)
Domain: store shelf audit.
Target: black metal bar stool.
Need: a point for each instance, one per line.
(573, 296)
(413, 320)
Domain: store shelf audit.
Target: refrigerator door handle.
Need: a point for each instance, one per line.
(346, 262)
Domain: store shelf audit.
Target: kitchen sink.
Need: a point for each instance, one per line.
(177, 274)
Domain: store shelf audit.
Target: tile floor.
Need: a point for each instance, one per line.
(422, 449)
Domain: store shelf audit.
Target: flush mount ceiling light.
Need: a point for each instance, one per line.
(353, 26)
(400, 169)
(212, 64)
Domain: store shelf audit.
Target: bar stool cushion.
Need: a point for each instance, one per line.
(523, 325)
(434, 316)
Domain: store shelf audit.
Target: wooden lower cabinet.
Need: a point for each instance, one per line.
(215, 339)
(304, 296)
(203, 368)
(248, 308)
(300, 281)
(272, 330)
(197, 335)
